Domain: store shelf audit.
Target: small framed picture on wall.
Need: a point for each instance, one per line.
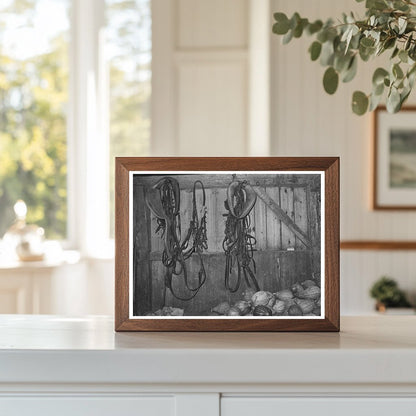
(394, 176)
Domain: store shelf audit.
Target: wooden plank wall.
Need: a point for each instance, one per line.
(281, 258)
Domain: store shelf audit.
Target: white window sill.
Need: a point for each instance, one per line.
(55, 256)
(8, 262)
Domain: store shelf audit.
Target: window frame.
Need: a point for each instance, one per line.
(87, 128)
(87, 133)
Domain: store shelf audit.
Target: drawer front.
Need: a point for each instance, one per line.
(87, 406)
(269, 406)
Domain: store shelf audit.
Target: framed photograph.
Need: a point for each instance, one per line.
(227, 244)
(394, 179)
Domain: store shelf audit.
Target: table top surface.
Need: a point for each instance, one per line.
(47, 332)
(54, 349)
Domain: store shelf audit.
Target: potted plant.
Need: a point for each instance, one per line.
(389, 27)
(387, 294)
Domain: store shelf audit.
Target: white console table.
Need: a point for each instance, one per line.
(32, 287)
(53, 365)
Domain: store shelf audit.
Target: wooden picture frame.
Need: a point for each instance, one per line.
(245, 175)
(394, 186)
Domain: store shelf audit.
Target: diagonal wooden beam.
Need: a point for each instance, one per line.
(270, 203)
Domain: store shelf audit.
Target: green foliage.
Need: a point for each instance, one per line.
(330, 80)
(315, 50)
(359, 103)
(387, 292)
(282, 25)
(33, 97)
(389, 26)
(34, 102)
(130, 83)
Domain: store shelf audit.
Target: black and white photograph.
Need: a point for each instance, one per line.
(403, 158)
(394, 177)
(226, 245)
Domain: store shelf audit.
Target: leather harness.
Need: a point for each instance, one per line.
(238, 243)
(163, 199)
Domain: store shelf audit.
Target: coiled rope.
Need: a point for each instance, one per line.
(238, 243)
(176, 252)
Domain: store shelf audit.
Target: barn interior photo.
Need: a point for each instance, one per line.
(281, 247)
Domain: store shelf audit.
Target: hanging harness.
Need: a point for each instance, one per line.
(238, 243)
(163, 199)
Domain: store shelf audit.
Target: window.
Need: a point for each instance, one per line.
(33, 98)
(129, 46)
(75, 87)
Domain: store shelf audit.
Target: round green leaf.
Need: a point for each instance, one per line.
(327, 54)
(314, 27)
(359, 103)
(376, 4)
(367, 42)
(342, 61)
(330, 80)
(403, 96)
(389, 43)
(315, 50)
(282, 26)
(397, 71)
(378, 89)
(366, 53)
(374, 102)
(379, 75)
(393, 101)
(300, 25)
(403, 56)
(408, 42)
(395, 52)
(288, 37)
(322, 36)
(351, 71)
(294, 20)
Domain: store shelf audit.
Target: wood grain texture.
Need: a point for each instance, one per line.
(274, 225)
(332, 286)
(187, 181)
(259, 219)
(330, 165)
(288, 221)
(276, 270)
(141, 251)
(300, 209)
(121, 244)
(377, 245)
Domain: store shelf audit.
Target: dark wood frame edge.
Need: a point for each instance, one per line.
(375, 205)
(330, 165)
(377, 245)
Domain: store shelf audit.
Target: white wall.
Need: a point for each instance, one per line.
(308, 122)
(202, 88)
(208, 97)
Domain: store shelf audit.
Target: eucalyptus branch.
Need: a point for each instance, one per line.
(389, 25)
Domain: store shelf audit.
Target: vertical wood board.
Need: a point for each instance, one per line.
(274, 237)
(141, 233)
(259, 221)
(286, 203)
(300, 210)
